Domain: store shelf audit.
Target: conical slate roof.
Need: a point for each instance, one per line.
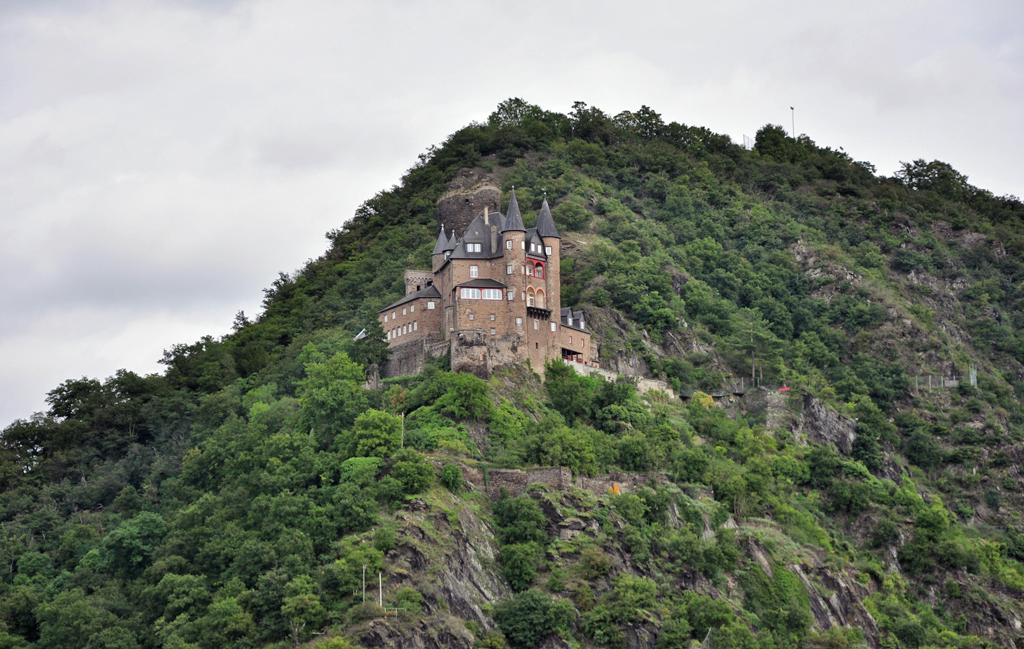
(513, 219)
(442, 243)
(546, 223)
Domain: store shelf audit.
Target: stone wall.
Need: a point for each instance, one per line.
(518, 481)
(417, 280)
(643, 385)
(410, 358)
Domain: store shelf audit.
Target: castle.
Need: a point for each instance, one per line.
(491, 298)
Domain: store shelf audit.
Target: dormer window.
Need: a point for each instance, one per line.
(447, 255)
(474, 247)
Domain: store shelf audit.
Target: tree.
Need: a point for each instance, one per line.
(374, 348)
(519, 564)
(753, 337)
(570, 394)
(412, 470)
(526, 619)
(331, 394)
(130, 546)
(376, 434)
(520, 520)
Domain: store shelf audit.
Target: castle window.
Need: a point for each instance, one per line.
(540, 299)
(492, 331)
(385, 317)
(474, 271)
(540, 271)
(524, 245)
(535, 325)
(554, 327)
(519, 322)
(469, 293)
(524, 295)
(570, 340)
(530, 297)
(412, 308)
(405, 329)
(529, 270)
(511, 295)
(508, 245)
(394, 315)
(471, 316)
(430, 305)
(403, 311)
(508, 269)
(492, 316)
(491, 294)
(547, 251)
(415, 326)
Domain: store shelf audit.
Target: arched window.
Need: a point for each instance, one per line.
(529, 297)
(540, 299)
(539, 273)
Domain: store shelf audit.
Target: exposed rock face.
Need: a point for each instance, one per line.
(825, 426)
(843, 607)
(452, 563)
(457, 208)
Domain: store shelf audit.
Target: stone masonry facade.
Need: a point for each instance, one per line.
(492, 298)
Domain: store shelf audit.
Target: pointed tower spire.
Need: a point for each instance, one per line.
(442, 243)
(513, 218)
(546, 223)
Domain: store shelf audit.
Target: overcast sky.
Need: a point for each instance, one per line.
(160, 162)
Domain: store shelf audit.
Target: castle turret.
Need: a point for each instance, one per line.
(553, 277)
(437, 257)
(513, 238)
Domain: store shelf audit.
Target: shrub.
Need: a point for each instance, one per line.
(451, 478)
(527, 618)
(519, 564)
(594, 563)
(520, 520)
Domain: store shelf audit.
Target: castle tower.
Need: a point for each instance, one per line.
(553, 277)
(513, 237)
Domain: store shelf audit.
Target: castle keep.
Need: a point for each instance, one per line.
(492, 297)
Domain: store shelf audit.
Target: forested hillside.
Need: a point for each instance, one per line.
(236, 499)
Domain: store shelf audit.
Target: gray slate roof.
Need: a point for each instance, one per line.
(482, 282)
(546, 223)
(442, 243)
(514, 220)
(573, 319)
(430, 291)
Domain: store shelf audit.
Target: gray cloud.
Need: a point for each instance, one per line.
(160, 162)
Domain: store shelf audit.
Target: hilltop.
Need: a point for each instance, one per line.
(840, 468)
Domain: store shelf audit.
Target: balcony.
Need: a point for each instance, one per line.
(538, 312)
